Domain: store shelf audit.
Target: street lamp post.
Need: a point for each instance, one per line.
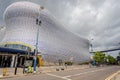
(38, 22)
(91, 45)
(36, 46)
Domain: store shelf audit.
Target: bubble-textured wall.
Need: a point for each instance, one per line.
(55, 41)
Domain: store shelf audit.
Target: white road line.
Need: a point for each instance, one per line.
(65, 78)
(83, 73)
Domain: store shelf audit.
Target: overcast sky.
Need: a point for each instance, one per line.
(97, 19)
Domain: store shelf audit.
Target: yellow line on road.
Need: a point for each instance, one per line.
(112, 76)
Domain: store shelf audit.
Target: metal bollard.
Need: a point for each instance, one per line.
(4, 71)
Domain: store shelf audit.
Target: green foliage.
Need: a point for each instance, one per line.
(110, 59)
(99, 57)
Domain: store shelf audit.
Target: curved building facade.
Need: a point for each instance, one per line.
(55, 42)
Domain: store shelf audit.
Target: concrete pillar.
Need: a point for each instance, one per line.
(13, 61)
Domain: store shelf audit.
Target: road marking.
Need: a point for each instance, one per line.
(112, 76)
(83, 73)
(65, 78)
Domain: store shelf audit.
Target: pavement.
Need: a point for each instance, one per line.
(117, 77)
(45, 69)
(94, 73)
(82, 72)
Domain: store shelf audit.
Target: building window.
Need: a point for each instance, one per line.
(17, 46)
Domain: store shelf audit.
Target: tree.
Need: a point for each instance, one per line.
(99, 57)
(110, 59)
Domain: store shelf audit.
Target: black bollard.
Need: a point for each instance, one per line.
(16, 65)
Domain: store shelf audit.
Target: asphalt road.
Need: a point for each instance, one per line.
(99, 73)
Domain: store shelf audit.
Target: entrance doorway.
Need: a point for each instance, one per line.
(5, 60)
